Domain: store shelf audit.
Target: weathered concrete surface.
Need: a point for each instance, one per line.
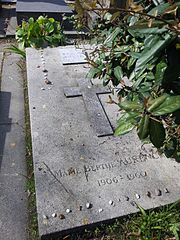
(13, 198)
(74, 167)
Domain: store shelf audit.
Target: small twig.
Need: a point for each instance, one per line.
(130, 11)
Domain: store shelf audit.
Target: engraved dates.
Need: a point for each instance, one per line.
(117, 179)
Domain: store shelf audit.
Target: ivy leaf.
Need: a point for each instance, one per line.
(118, 73)
(170, 104)
(157, 133)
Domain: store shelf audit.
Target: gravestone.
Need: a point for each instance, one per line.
(84, 175)
(51, 8)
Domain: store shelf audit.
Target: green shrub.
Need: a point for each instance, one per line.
(138, 53)
(39, 33)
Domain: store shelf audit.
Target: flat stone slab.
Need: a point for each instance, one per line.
(72, 55)
(82, 178)
(13, 196)
(45, 6)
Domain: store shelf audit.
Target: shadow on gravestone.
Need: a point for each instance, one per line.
(5, 121)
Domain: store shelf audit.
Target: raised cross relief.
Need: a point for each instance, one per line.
(96, 113)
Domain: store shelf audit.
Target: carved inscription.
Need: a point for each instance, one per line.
(88, 169)
(117, 179)
(94, 168)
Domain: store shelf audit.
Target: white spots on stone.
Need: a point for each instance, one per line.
(54, 215)
(158, 192)
(88, 205)
(68, 210)
(137, 196)
(13, 145)
(44, 106)
(45, 217)
(47, 81)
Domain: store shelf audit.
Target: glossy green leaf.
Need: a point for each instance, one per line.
(112, 36)
(154, 50)
(131, 105)
(170, 104)
(131, 62)
(160, 69)
(128, 116)
(159, 9)
(157, 133)
(118, 73)
(124, 128)
(92, 72)
(155, 103)
(139, 31)
(126, 123)
(143, 130)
